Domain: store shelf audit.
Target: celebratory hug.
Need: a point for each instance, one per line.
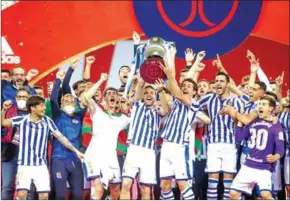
(162, 134)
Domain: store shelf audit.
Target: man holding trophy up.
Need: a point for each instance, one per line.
(174, 162)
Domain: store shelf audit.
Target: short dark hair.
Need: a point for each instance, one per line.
(121, 90)
(272, 94)
(191, 81)
(124, 66)
(15, 68)
(150, 86)
(33, 101)
(224, 74)
(38, 87)
(110, 89)
(76, 84)
(24, 89)
(262, 85)
(271, 101)
(6, 71)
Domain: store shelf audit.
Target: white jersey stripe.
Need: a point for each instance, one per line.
(177, 126)
(222, 127)
(33, 139)
(144, 126)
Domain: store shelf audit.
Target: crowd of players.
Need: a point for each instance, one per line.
(187, 139)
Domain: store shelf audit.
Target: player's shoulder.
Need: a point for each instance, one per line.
(237, 100)
(20, 118)
(47, 120)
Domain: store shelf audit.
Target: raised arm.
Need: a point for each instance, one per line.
(6, 122)
(171, 59)
(134, 84)
(173, 86)
(255, 66)
(65, 85)
(55, 107)
(279, 81)
(189, 57)
(92, 91)
(159, 84)
(263, 77)
(218, 64)
(136, 39)
(87, 73)
(31, 74)
(197, 67)
(139, 90)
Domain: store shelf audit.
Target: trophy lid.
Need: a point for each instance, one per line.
(157, 40)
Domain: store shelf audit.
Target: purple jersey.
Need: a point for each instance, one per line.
(264, 138)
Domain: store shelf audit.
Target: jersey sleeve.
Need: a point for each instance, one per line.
(15, 121)
(238, 104)
(245, 99)
(204, 101)
(241, 133)
(51, 125)
(279, 140)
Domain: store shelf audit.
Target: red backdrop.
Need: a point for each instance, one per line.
(46, 34)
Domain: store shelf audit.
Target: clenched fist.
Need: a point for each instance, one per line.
(32, 72)
(104, 76)
(6, 105)
(90, 59)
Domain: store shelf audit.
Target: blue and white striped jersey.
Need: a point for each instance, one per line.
(33, 139)
(249, 106)
(284, 118)
(144, 126)
(222, 126)
(177, 127)
(245, 99)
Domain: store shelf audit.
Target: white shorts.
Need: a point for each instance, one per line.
(247, 177)
(143, 161)
(38, 174)
(221, 158)
(174, 162)
(286, 168)
(107, 174)
(276, 177)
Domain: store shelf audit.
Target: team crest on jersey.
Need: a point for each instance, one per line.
(281, 136)
(214, 26)
(58, 175)
(75, 121)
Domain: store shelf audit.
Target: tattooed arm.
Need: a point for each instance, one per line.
(65, 142)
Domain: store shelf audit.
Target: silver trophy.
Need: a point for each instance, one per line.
(155, 52)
